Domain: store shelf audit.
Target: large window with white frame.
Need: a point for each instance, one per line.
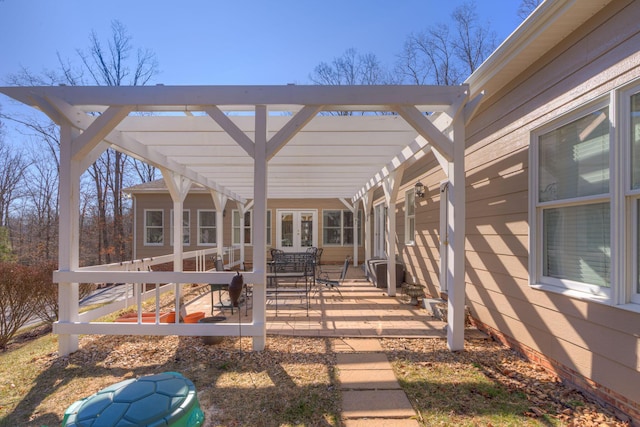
(236, 225)
(153, 227)
(248, 224)
(338, 227)
(206, 227)
(185, 227)
(631, 99)
(573, 202)
(585, 199)
(410, 217)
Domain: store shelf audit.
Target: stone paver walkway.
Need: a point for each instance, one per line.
(371, 394)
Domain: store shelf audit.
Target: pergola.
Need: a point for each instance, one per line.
(248, 144)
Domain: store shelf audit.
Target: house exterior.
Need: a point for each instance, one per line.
(527, 212)
(292, 225)
(552, 171)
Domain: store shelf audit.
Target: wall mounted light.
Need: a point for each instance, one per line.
(419, 188)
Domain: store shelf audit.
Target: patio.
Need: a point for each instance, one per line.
(364, 311)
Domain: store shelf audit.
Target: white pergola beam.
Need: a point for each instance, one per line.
(98, 130)
(427, 130)
(231, 129)
(195, 98)
(291, 128)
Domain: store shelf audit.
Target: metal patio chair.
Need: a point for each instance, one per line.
(333, 284)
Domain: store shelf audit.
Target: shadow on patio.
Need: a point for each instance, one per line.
(363, 311)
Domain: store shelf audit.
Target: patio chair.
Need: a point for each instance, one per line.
(219, 265)
(333, 284)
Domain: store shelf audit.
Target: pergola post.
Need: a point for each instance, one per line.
(456, 234)
(178, 187)
(367, 206)
(219, 201)
(391, 185)
(69, 241)
(260, 230)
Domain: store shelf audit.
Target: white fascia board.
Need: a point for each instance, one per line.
(190, 98)
(549, 24)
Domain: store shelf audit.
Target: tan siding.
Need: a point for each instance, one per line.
(598, 341)
(502, 264)
(194, 202)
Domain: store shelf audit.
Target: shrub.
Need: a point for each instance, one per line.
(18, 299)
(47, 294)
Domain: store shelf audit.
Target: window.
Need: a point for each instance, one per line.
(236, 227)
(338, 227)
(268, 228)
(410, 217)
(185, 227)
(585, 199)
(573, 203)
(633, 134)
(153, 227)
(206, 227)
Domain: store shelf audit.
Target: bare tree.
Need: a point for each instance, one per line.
(352, 68)
(433, 55)
(112, 63)
(444, 54)
(526, 7)
(474, 42)
(40, 224)
(12, 168)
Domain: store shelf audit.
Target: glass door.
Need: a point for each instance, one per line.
(296, 230)
(380, 231)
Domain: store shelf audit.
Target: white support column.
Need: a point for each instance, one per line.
(391, 184)
(241, 213)
(260, 229)
(178, 187)
(69, 243)
(219, 201)
(456, 247)
(367, 205)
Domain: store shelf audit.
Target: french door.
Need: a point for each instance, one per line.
(380, 231)
(296, 230)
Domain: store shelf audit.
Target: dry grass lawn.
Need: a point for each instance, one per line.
(292, 383)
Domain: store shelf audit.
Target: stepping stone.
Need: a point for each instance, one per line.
(373, 361)
(376, 404)
(381, 422)
(364, 379)
(357, 345)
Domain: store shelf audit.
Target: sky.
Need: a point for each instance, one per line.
(231, 42)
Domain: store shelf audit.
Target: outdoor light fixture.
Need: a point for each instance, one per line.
(419, 189)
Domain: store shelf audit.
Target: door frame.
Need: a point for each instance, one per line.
(297, 247)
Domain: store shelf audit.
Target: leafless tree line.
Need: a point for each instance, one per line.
(29, 194)
(443, 54)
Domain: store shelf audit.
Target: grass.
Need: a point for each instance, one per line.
(293, 382)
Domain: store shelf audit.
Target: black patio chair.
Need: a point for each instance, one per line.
(334, 284)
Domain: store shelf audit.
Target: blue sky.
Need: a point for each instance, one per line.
(230, 42)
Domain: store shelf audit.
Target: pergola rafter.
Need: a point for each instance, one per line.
(254, 143)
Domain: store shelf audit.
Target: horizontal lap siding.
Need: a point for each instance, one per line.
(597, 341)
(422, 259)
(194, 202)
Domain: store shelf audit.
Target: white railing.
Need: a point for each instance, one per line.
(133, 293)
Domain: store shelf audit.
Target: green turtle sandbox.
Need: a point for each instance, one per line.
(165, 399)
